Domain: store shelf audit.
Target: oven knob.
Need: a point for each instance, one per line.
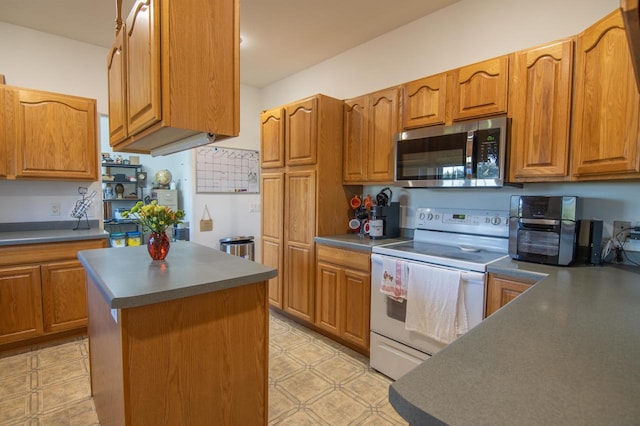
(496, 220)
(421, 216)
(487, 220)
(430, 216)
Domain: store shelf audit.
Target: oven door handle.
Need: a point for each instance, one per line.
(532, 221)
(467, 275)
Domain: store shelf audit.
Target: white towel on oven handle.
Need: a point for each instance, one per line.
(435, 303)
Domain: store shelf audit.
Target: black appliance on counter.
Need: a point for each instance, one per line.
(384, 221)
(543, 229)
(589, 242)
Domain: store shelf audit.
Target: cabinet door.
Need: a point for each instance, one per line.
(272, 231)
(356, 299)
(272, 138)
(116, 71)
(501, 291)
(142, 47)
(480, 89)
(64, 296)
(605, 135)
(424, 101)
(55, 136)
(301, 132)
(300, 210)
(383, 125)
(328, 285)
(20, 303)
(356, 131)
(4, 141)
(540, 108)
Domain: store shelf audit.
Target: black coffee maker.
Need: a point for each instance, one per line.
(384, 221)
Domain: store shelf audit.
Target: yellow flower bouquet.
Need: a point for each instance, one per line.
(153, 217)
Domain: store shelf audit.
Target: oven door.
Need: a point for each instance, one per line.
(388, 332)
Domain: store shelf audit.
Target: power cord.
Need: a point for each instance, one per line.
(616, 246)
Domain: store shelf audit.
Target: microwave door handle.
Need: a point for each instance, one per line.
(471, 138)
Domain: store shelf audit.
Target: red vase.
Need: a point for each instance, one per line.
(158, 245)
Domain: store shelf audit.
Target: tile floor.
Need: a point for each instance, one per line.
(312, 381)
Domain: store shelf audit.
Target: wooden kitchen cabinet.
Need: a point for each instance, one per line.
(472, 91)
(370, 124)
(299, 231)
(273, 231)
(502, 290)
(480, 89)
(540, 111)
(117, 90)
(50, 136)
(181, 73)
(301, 132)
(424, 101)
(272, 138)
(605, 131)
(302, 196)
(42, 290)
(343, 295)
(21, 303)
(64, 296)
(4, 145)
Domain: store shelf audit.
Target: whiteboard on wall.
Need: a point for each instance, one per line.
(225, 170)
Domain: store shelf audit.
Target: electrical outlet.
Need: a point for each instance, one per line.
(621, 229)
(54, 209)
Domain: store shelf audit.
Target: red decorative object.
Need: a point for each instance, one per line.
(158, 245)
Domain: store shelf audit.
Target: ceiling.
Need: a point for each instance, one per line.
(280, 37)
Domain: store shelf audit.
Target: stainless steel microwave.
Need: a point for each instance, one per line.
(466, 154)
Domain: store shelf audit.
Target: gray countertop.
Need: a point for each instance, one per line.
(127, 277)
(567, 351)
(356, 242)
(12, 238)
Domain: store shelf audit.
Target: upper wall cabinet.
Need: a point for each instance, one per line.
(476, 90)
(4, 145)
(540, 107)
(272, 138)
(370, 124)
(424, 101)
(605, 135)
(301, 132)
(480, 89)
(177, 73)
(49, 136)
(117, 91)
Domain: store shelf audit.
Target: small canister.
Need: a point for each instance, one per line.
(134, 238)
(118, 239)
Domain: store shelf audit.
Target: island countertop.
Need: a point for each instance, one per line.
(566, 351)
(127, 277)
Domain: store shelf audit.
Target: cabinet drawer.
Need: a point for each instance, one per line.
(46, 252)
(343, 257)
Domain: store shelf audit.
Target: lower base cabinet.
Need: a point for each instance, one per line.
(42, 290)
(343, 295)
(502, 290)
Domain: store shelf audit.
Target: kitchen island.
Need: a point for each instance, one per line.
(566, 351)
(183, 341)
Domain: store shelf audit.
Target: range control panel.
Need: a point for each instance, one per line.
(482, 222)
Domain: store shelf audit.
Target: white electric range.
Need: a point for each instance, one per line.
(465, 240)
